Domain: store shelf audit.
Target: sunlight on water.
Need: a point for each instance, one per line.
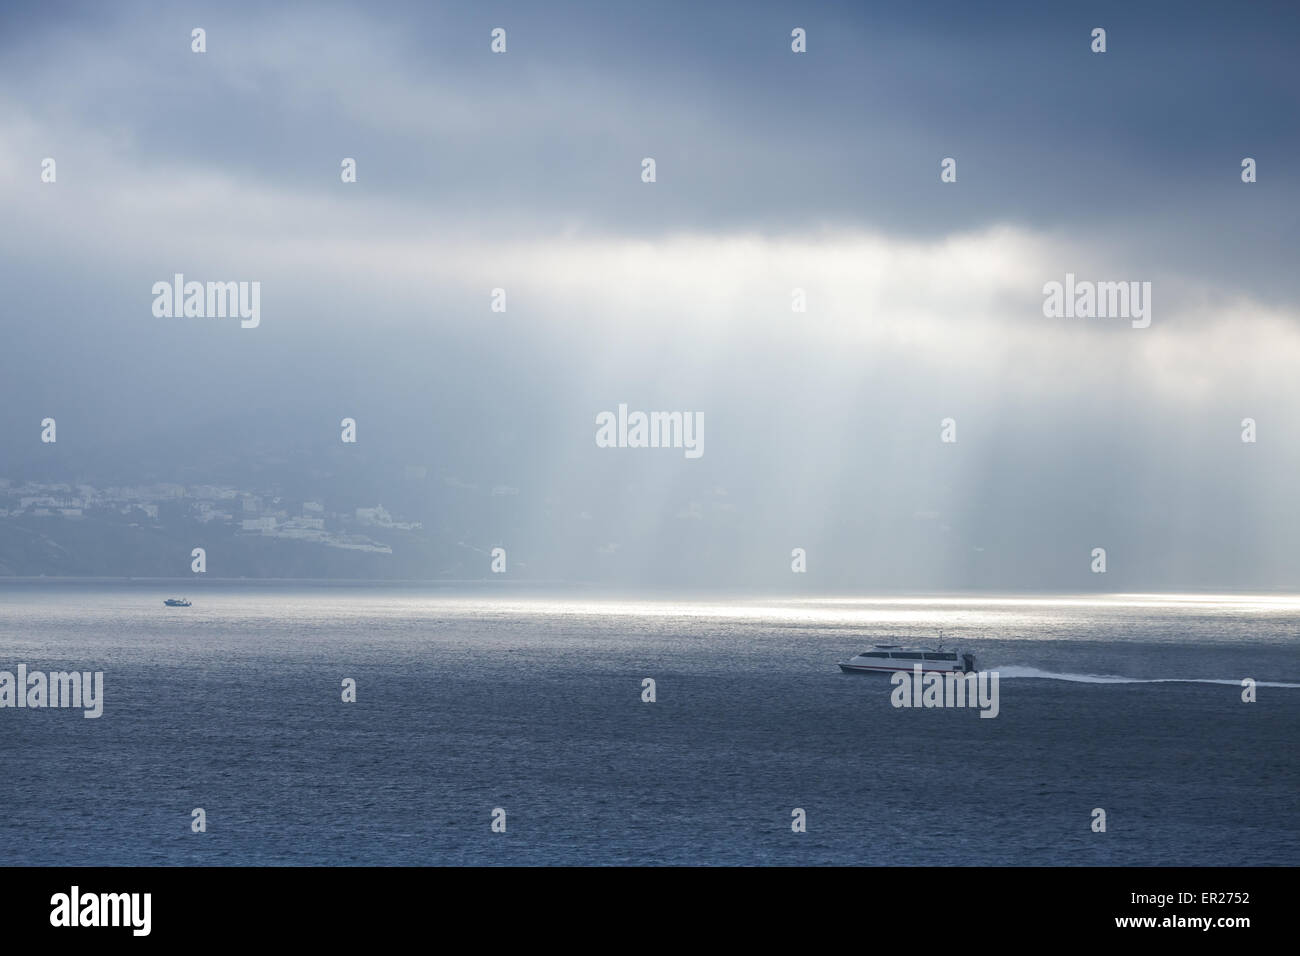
(465, 697)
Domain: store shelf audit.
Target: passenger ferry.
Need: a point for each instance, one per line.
(177, 602)
(888, 658)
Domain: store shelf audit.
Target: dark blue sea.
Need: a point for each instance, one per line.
(533, 704)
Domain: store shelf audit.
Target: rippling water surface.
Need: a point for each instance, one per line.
(467, 703)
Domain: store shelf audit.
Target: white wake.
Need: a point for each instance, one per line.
(1014, 671)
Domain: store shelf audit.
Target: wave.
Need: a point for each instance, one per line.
(1014, 671)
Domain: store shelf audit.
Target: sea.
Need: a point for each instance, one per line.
(495, 728)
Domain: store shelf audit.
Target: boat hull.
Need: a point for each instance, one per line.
(905, 666)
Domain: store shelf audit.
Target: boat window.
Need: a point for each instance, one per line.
(940, 657)
(907, 656)
(873, 654)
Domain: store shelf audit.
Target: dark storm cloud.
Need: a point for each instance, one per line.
(775, 171)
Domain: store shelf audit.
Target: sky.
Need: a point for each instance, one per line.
(775, 171)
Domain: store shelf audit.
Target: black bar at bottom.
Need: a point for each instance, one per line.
(302, 904)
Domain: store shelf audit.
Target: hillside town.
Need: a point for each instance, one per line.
(243, 512)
